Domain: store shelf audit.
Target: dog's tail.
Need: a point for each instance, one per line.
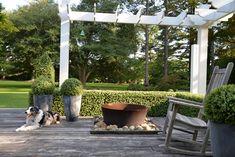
(57, 118)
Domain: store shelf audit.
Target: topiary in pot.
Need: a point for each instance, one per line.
(72, 90)
(42, 90)
(220, 110)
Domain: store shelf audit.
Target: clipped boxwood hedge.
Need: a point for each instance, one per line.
(155, 101)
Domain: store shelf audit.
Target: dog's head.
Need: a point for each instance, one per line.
(32, 111)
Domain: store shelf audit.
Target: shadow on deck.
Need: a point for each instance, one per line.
(74, 139)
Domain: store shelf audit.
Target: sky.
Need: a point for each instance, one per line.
(14, 4)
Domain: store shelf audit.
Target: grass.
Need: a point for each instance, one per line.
(14, 94)
(14, 86)
(13, 100)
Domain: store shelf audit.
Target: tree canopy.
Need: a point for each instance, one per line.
(109, 52)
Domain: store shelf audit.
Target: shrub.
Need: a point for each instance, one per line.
(58, 104)
(30, 99)
(71, 87)
(189, 111)
(155, 101)
(43, 86)
(44, 67)
(220, 105)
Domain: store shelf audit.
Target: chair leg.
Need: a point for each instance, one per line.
(165, 125)
(205, 140)
(170, 129)
(167, 119)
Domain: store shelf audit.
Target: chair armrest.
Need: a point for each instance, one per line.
(184, 102)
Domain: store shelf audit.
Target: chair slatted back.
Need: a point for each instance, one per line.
(219, 77)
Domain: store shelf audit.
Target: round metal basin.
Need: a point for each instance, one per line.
(122, 114)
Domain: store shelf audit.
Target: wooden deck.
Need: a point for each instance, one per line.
(74, 139)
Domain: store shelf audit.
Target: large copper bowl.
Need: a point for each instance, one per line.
(122, 114)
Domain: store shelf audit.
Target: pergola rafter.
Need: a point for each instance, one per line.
(205, 16)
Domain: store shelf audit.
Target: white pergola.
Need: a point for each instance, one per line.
(203, 19)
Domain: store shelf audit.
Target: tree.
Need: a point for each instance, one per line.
(6, 27)
(224, 44)
(108, 43)
(38, 32)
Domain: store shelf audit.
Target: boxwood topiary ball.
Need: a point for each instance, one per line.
(220, 105)
(71, 87)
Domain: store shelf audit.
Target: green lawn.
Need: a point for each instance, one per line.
(14, 94)
(14, 100)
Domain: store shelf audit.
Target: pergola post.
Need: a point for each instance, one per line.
(64, 43)
(202, 40)
(194, 71)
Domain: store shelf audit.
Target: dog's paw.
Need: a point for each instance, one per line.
(18, 129)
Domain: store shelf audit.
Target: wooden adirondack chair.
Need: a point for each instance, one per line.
(192, 125)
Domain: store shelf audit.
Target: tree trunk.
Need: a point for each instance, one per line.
(83, 74)
(146, 78)
(166, 43)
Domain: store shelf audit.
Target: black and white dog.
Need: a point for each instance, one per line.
(36, 118)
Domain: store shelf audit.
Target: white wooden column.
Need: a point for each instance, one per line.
(194, 71)
(64, 42)
(202, 39)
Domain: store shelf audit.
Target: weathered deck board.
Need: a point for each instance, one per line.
(74, 139)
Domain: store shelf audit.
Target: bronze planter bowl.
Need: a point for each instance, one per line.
(122, 114)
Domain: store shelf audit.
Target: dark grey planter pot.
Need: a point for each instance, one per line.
(222, 140)
(72, 106)
(44, 102)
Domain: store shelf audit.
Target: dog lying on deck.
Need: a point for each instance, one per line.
(36, 118)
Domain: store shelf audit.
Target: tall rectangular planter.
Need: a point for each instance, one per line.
(44, 102)
(72, 106)
(222, 140)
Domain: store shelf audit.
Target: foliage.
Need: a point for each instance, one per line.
(30, 98)
(104, 52)
(156, 102)
(178, 75)
(44, 67)
(220, 105)
(119, 71)
(6, 26)
(189, 111)
(103, 46)
(71, 87)
(223, 50)
(141, 87)
(58, 104)
(43, 86)
(38, 32)
(106, 86)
